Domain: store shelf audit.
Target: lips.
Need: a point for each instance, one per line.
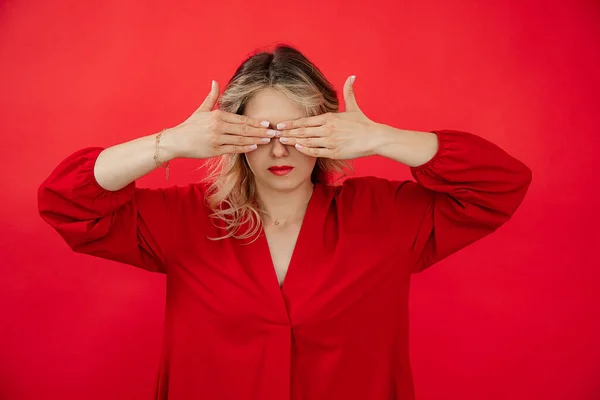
(281, 169)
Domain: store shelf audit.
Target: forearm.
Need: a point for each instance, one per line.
(412, 148)
(119, 165)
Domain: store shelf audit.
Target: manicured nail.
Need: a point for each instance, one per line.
(299, 146)
(265, 123)
(265, 140)
(252, 146)
(271, 132)
(352, 78)
(280, 125)
(284, 140)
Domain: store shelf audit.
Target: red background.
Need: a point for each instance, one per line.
(514, 316)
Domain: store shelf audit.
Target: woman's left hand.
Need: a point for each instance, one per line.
(342, 136)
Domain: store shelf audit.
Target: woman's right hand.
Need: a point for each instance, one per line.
(207, 133)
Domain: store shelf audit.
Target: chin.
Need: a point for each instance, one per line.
(284, 184)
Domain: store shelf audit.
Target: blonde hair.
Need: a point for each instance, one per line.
(231, 193)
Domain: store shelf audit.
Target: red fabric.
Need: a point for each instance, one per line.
(338, 328)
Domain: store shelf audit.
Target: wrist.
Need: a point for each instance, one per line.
(384, 136)
(167, 147)
(412, 148)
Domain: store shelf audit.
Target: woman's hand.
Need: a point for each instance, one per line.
(209, 133)
(343, 136)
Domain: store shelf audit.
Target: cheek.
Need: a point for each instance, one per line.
(308, 162)
(257, 158)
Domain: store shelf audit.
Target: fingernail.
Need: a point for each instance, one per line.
(212, 85)
(352, 78)
(252, 146)
(265, 123)
(283, 140)
(271, 132)
(280, 125)
(299, 146)
(265, 140)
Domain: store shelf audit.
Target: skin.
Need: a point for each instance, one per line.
(282, 196)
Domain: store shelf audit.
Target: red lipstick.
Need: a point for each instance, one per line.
(281, 170)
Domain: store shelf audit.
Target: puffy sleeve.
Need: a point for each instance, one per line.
(465, 192)
(130, 225)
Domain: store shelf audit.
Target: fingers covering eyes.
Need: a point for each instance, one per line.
(242, 119)
(232, 149)
(241, 140)
(307, 142)
(243, 130)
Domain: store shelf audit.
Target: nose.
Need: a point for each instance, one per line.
(278, 149)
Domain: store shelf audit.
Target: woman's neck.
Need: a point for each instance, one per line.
(283, 207)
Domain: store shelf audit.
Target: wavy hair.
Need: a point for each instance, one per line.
(231, 192)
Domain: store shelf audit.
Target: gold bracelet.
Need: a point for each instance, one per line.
(159, 164)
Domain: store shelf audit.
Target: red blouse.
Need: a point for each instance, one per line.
(338, 327)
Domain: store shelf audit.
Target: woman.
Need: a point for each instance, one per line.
(279, 285)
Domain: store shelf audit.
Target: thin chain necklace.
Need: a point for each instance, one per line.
(277, 221)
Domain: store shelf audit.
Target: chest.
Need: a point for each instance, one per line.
(281, 242)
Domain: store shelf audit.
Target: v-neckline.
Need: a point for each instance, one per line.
(311, 219)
